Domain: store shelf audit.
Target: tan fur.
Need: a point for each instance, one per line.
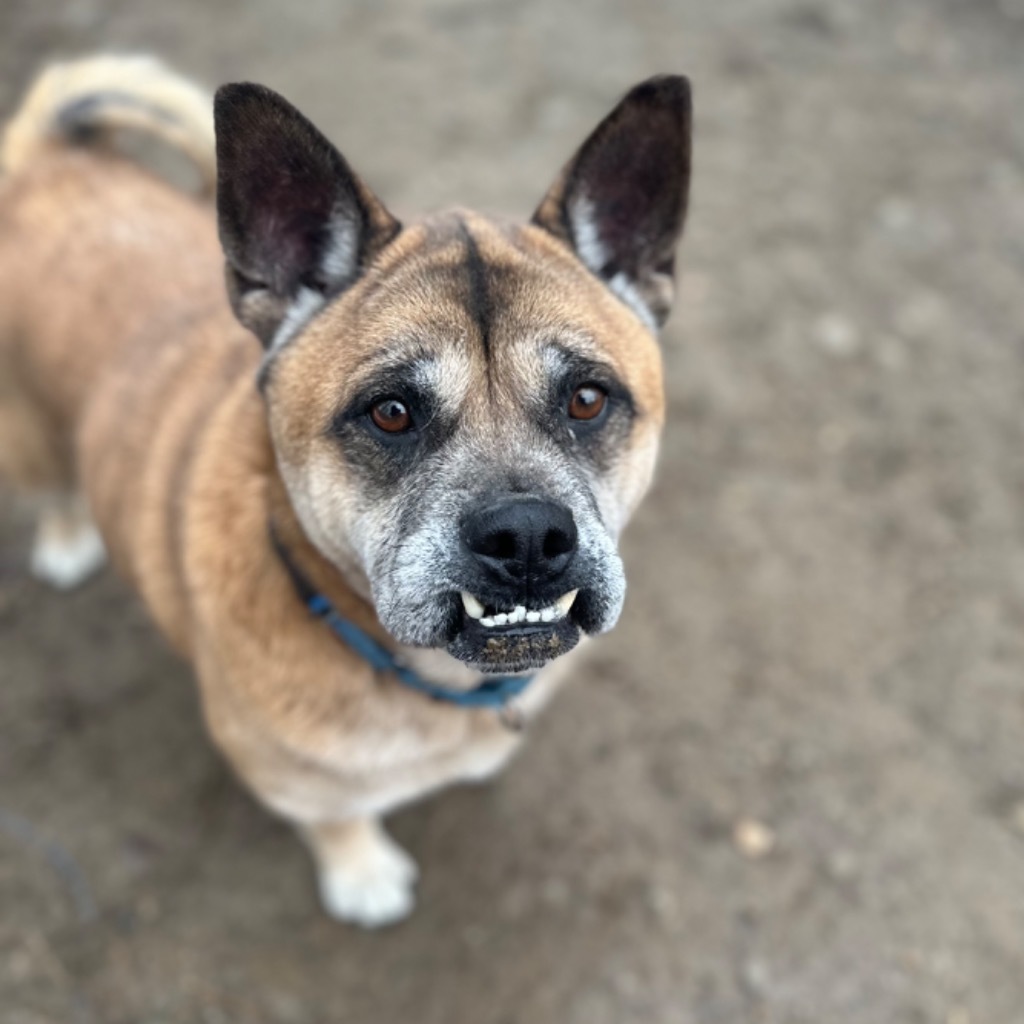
(125, 374)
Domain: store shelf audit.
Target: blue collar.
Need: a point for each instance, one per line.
(495, 692)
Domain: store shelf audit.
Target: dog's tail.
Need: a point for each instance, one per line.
(83, 102)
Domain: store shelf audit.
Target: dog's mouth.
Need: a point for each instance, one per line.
(498, 639)
(495, 618)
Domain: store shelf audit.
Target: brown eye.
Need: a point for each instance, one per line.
(587, 402)
(391, 416)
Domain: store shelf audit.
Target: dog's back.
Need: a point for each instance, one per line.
(115, 336)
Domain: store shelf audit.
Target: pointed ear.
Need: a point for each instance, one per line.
(297, 226)
(621, 201)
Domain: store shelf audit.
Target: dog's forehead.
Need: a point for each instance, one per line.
(458, 279)
(481, 308)
(459, 268)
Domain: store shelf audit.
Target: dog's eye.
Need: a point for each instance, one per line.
(587, 402)
(392, 416)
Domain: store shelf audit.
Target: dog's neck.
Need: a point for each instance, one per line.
(326, 578)
(347, 596)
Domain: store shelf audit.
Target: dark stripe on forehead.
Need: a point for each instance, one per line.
(478, 295)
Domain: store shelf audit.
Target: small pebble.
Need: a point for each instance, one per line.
(896, 214)
(843, 866)
(663, 902)
(755, 977)
(753, 839)
(837, 335)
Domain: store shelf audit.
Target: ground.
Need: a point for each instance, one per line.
(790, 787)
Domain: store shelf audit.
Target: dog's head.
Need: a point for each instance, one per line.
(465, 411)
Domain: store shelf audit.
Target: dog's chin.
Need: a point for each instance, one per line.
(503, 649)
(523, 646)
(509, 649)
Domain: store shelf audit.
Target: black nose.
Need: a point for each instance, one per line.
(521, 539)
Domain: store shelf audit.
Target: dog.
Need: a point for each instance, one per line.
(372, 489)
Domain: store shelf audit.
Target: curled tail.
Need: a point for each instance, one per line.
(83, 101)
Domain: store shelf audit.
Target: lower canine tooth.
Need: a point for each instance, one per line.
(564, 603)
(474, 609)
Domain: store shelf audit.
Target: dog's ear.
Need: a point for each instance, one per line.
(297, 226)
(621, 201)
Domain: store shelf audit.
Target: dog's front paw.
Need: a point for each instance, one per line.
(372, 884)
(66, 558)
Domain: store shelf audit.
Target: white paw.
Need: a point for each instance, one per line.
(66, 561)
(373, 888)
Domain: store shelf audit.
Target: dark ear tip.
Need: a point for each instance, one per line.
(672, 91)
(238, 97)
(233, 92)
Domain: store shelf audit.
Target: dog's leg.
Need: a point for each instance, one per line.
(67, 548)
(37, 461)
(365, 877)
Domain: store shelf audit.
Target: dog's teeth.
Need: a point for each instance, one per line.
(519, 613)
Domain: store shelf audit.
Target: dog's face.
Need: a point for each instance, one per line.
(465, 412)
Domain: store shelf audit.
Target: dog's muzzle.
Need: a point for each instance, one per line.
(517, 611)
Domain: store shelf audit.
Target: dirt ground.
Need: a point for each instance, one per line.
(821, 661)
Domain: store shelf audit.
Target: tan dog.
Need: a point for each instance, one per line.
(432, 454)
